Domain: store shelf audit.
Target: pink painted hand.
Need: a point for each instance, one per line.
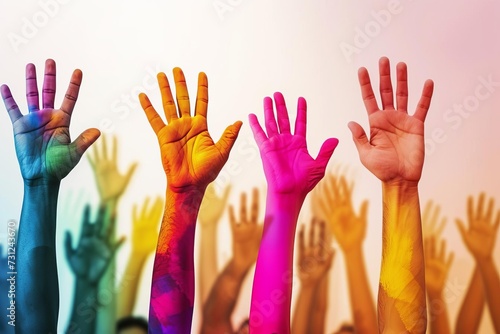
(288, 166)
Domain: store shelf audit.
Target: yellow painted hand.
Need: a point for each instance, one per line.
(145, 227)
(190, 157)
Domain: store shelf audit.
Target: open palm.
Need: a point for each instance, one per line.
(42, 140)
(288, 166)
(395, 149)
(189, 155)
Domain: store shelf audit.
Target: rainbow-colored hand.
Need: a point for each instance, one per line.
(288, 166)
(189, 155)
(43, 143)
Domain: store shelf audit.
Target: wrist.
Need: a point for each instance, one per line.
(400, 187)
(484, 261)
(238, 269)
(41, 185)
(353, 252)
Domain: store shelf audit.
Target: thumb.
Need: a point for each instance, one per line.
(461, 228)
(84, 141)
(326, 151)
(130, 172)
(359, 137)
(228, 138)
(68, 246)
(364, 210)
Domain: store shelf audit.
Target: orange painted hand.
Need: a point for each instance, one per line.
(395, 150)
(145, 227)
(332, 201)
(437, 266)
(483, 227)
(315, 259)
(190, 157)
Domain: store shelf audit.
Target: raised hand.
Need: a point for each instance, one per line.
(145, 227)
(95, 248)
(395, 150)
(246, 231)
(111, 184)
(44, 148)
(332, 200)
(213, 206)
(314, 258)
(437, 266)
(189, 155)
(288, 166)
(430, 227)
(481, 234)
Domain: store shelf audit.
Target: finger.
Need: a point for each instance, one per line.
(130, 172)
(32, 88)
(181, 93)
(117, 245)
(363, 211)
(489, 212)
(441, 227)
(434, 219)
(442, 251)
(402, 87)
(359, 137)
(300, 250)
(282, 113)
(497, 221)
(450, 260)
(426, 248)
(470, 211)
(114, 150)
(145, 208)
(201, 106)
(386, 93)
(345, 190)
(425, 101)
(228, 138)
(322, 240)
(10, 104)
(301, 120)
(243, 208)
(334, 184)
(432, 247)
(100, 228)
(71, 95)
(480, 205)
(312, 232)
(461, 229)
(232, 217)
(367, 91)
(325, 153)
(166, 97)
(86, 226)
(68, 246)
(83, 142)
(271, 127)
(135, 218)
(259, 134)
(255, 206)
(154, 119)
(104, 147)
(49, 85)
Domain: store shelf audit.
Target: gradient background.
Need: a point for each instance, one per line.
(249, 51)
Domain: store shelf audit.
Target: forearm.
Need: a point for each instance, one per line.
(362, 303)
(320, 305)
(401, 302)
(222, 299)
(37, 298)
(208, 262)
(83, 315)
(491, 283)
(471, 311)
(172, 289)
(129, 285)
(438, 315)
(274, 270)
(302, 314)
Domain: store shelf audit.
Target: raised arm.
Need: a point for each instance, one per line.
(46, 155)
(471, 311)
(394, 153)
(437, 266)
(191, 161)
(211, 210)
(247, 234)
(480, 238)
(314, 260)
(291, 173)
(332, 200)
(145, 223)
(88, 262)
